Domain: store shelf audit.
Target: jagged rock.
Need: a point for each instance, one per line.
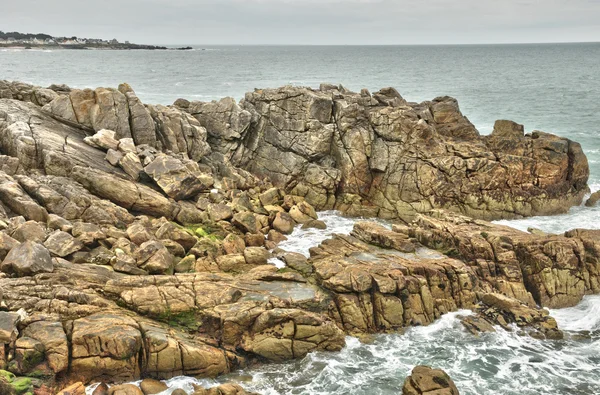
(175, 233)
(297, 262)
(593, 199)
(62, 244)
(303, 212)
(126, 145)
(125, 389)
(74, 389)
(142, 126)
(131, 164)
(58, 223)
(225, 121)
(176, 179)
(284, 223)
(425, 380)
(378, 235)
(256, 255)
(281, 334)
(88, 234)
(270, 197)
(549, 270)
(233, 244)
(245, 221)
(27, 259)
(103, 139)
(30, 231)
(7, 243)
(502, 310)
(101, 389)
(127, 194)
(15, 198)
(325, 149)
(219, 212)
(179, 132)
(153, 257)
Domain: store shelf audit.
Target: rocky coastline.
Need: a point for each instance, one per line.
(136, 239)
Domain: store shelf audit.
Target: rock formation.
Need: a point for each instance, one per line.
(425, 380)
(135, 239)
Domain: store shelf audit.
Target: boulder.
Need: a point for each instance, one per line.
(284, 223)
(62, 244)
(593, 199)
(151, 386)
(103, 139)
(27, 259)
(175, 178)
(425, 380)
(30, 231)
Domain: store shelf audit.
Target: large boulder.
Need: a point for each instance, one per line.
(27, 259)
(425, 380)
(175, 178)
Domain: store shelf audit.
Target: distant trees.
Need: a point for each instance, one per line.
(24, 36)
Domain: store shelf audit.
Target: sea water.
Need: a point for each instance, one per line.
(549, 87)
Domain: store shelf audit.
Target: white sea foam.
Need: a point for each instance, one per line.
(301, 240)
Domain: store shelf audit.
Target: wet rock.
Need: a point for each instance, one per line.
(425, 380)
(314, 224)
(151, 386)
(125, 389)
(256, 255)
(27, 259)
(303, 212)
(297, 262)
(101, 389)
(593, 199)
(378, 235)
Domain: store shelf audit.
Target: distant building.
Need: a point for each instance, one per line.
(114, 41)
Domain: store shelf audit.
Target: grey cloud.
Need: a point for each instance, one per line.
(310, 21)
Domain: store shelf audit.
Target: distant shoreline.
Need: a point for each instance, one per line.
(119, 46)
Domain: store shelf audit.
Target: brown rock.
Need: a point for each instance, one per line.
(425, 380)
(151, 386)
(284, 223)
(27, 259)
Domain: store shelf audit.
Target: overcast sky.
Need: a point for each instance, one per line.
(309, 21)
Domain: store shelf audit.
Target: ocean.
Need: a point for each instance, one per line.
(550, 87)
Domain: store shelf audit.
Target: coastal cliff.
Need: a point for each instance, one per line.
(135, 238)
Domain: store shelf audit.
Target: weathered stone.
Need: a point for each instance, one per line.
(151, 386)
(131, 164)
(425, 380)
(27, 259)
(103, 139)
(62, 244)
(219, 212)
(30, 231)
(256, 255)
(176, 179)
(283, 223)
(245, 221)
